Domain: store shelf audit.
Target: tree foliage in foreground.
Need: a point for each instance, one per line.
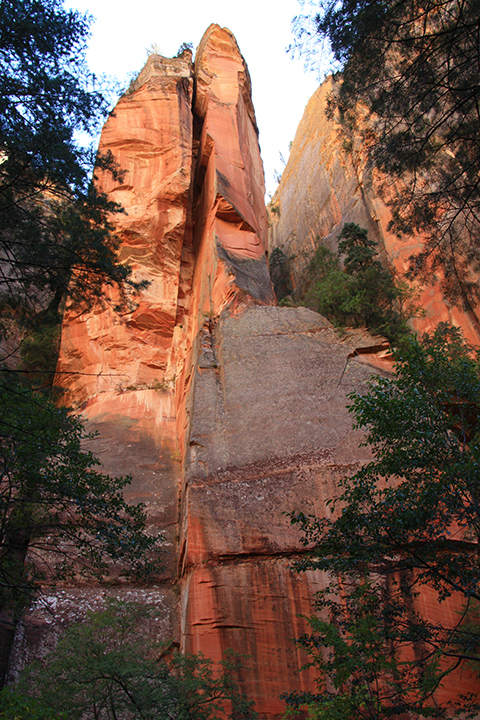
(56, 233)
(364, 293)
(60, 517)
(368, 665)
(112, 666)
(415, 67)
(407, 522)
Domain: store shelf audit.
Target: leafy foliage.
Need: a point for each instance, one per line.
(414, 67)
(419, 493)
(367, 662)
(59, 516)
(113, 666)
(15, 706)
(408, 520)
(40, 347)
(56, 234)
(365, 294)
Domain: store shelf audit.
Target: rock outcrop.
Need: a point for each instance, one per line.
(164, 386)
(321, 189)
(270, 434)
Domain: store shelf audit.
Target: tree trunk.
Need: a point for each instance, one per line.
(16, 595)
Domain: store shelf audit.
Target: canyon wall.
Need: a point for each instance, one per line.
(323, 187)
(269, 434)
(228, 411)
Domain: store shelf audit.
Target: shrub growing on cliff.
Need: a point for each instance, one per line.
(364, 294)
(112, 666)
(408, 521)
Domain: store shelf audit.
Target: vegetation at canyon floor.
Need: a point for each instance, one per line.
(413, 69)
(404, 526)
(112, 666)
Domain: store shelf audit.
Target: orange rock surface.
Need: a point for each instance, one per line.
(322, 187)
(270, 434)
(229, 138)
(227, 264)
(150, 136)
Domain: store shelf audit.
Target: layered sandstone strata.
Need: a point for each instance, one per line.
(227, 410)
(195, 228)
(227, 254)
(150, 136)
(323, 187)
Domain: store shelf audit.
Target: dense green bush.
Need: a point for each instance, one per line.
(403, 528)
(113, 666)
(39, 348)
(364, 293)
(409, 93)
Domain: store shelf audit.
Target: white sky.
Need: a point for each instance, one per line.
(124, 29)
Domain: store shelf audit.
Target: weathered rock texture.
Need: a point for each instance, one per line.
(119, 369)
(270, 433)
(321, 189)
(228, 411)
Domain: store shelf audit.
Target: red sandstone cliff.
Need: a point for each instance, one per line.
(322, 187)
(207, 393)
(227, 411)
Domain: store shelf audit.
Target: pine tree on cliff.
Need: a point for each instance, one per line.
(414, 66)
(364, 293)
(59, 516)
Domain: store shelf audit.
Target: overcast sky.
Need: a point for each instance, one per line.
(122, 32)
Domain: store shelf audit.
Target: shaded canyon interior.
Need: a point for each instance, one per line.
(227, 410)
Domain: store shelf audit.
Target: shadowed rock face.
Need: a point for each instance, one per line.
(321, 189)
(227, 411)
